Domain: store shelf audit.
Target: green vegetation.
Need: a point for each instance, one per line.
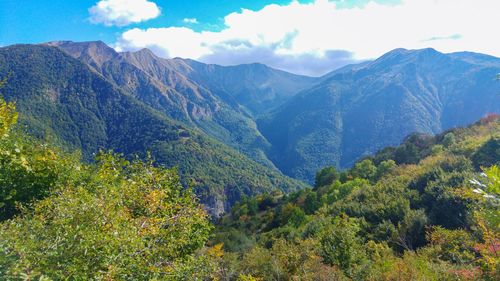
(425, 210)
(426, 214)
(428, 209)
(62, 99)
(62, 219)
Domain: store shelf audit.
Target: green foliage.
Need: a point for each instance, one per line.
(449, 139)
(28, 169)
(326, 176)
(436, 219)
(493, 175)
(488, 154)
(117, 220)
(364, 169)
(340, 244)
(124, 221)
(291, 214)
(456, 246)
(384, 168)
(8, 117)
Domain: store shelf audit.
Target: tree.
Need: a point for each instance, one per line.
(340, 244)
(384, 167)
(122, 221)
(29, 169)
(449, 139)
(326, 176)
(364, 169)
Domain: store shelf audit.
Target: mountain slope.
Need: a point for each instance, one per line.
(359, 109)
(218, 100)
(59, 96)
(256, 87)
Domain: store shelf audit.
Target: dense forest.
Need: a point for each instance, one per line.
(425, 210)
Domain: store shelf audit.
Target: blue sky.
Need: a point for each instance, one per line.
(35, 21)
(309, 36)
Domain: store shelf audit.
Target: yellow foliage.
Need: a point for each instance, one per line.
(216, 251)
(248, 277)
(8, 117)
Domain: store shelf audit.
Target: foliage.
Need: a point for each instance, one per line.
(431, 216)
(118, 220)
(28, 169)
(124, 221)
(326, 176)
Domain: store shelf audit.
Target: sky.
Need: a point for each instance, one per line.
(310, 37)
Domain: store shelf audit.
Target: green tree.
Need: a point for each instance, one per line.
(124, 221)
(449, 139)
(341, 245)
(326, 176)
(29, 170)
(364, 169)
(384, 167)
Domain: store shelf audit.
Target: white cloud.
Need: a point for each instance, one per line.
(299, 37)
(190, 20)
(123, 12)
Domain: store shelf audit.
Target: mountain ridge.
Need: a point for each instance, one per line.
(296, 124)
(375, 104)
(60, 96)
(174, 87)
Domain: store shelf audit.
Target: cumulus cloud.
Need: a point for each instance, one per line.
(312, 38)
(190, 20)
(123, 12)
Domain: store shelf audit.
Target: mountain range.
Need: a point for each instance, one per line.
(82, 106)
(241, 130)
(359, 109)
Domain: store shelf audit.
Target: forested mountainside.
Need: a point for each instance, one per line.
(297, 124)
(427, 209)
(61, 98)
(219, 100)
(356, 110)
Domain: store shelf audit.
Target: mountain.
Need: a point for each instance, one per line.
(288, 123)
(218, 100)
(257, 87)
(359, 109)
(76, 103)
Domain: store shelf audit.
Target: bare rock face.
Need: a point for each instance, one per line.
(94, 53)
